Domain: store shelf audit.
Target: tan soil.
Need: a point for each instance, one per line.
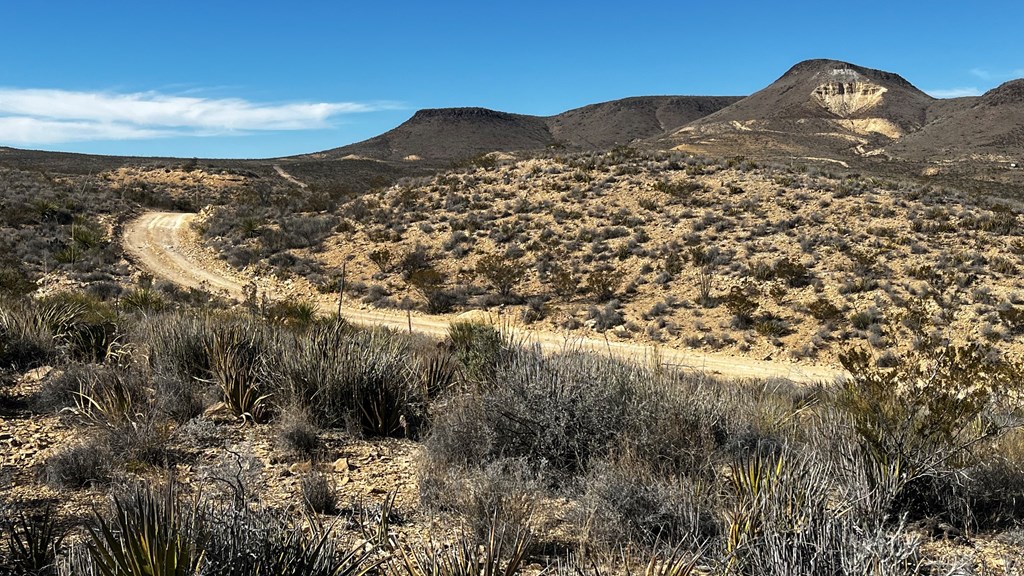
(164, 243)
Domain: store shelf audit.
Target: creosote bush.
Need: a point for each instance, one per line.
(924, 421)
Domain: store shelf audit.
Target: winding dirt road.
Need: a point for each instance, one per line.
(164, 243)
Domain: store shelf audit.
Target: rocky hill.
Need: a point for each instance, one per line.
(604, 125)
(451, 134)
(989, 127)
(818, 105)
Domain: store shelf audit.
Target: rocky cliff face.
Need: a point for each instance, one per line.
(845, 93)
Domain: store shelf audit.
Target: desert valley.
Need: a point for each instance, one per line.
(779, 333)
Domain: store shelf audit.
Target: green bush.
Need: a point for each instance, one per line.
(923, 421)
(502, 272)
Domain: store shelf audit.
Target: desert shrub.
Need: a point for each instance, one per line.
(15, 280)
(319, 493)
(781, 518)
(741, 302)
(502, 272)
(772, 325)
(682, 190)
(823, 309)
(87, 463)
(554, 413)
(297, 433)
(606, 316)
(864, 319)
(794, 274)
(382, 258)
(624, 501)
(177, 346)
(292, 313)
(245, 540)
(429, 282)
(704, 283)
(362, 379)
(563, 281)
(603, 283)
(921, 422)
(505, 492)
(478, 347)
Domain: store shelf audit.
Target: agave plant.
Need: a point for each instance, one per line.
(149, 535)
(33, 542)
(469, 558)
(236, 364)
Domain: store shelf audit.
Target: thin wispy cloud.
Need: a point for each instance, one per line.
(997, 75)
(38, 116)
(954, 92)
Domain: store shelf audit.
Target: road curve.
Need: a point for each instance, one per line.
(163, 243)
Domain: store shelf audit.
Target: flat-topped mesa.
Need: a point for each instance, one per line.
(474, 113)
(838, 68)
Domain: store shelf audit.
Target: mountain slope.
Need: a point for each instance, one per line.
(622, 121)
(991, 126)
(448, 134)
(820, 104)
(445, 134)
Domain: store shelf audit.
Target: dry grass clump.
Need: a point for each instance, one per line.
(519, 453)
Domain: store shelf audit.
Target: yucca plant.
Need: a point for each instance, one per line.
(363, 379)
(437, 374)
(33, 543)
(677, 563)
(247, 541)
(237, 364)
(109, 400)
(144, 300)
(302, 556)
(149, 535)
(375, 522)
(467, 557)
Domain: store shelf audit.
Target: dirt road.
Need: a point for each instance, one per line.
(280, 171)
(165, 244)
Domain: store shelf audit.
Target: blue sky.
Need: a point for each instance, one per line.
(263, 79)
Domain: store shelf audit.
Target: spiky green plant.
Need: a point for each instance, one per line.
(143, 300)
(109, 401)
(33, 542)
(237, 364)
(149, 535)
(247, 541)
(498, 556)
(364, 379)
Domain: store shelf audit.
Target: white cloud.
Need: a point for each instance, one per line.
(954, 92)
(20, 131)
(998, 76)
(37, 116)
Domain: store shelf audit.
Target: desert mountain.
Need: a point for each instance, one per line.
(446, 134)
(607, 124)
(990, 127)
(819, 104)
